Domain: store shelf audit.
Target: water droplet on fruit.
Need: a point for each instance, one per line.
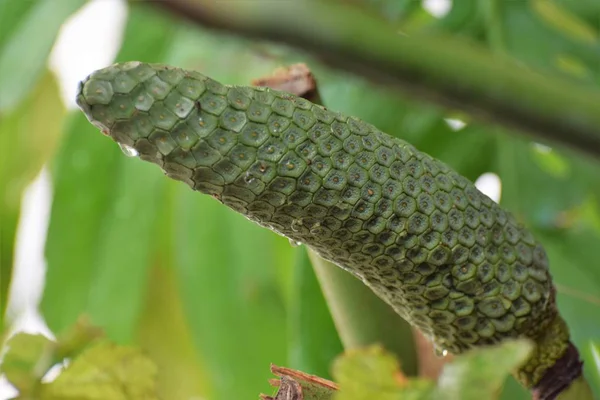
(249, 178)
(295, 243)
(128, 150)
(440, 352)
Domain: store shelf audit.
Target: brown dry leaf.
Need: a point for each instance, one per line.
(298, 385)
(296, 79)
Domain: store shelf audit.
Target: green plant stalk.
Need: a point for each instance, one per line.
(361, 318)
(440, 69)
(443, 255)
(313, 340)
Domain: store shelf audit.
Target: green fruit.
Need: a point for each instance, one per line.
(447, 258)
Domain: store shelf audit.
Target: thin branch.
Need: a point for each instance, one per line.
(450, 72)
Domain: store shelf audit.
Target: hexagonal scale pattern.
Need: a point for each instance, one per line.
(440, 252)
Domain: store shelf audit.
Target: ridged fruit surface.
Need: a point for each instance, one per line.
(447, 258)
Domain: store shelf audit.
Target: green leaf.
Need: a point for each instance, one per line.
(372, 373)
(587, 10)
(12, 13)
(479, 374)
(165, 336)
(105, 371)
(26, 361)
(21, 66)
(539, 205)
(115, 299)
(534, 38)
(563, 20)
(226, 268)
(395, 10)
(313, 339)
(465, 17)
(28, 138)
(99, 266)
(83, 174)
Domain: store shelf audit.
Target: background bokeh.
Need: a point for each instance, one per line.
(211, 297)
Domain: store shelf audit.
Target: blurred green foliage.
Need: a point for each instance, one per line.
(373, 373)
(123, 240)
(100, 369)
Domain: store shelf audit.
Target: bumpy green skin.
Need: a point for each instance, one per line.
(442, 254)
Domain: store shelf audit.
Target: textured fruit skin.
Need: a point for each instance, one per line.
(445, 256)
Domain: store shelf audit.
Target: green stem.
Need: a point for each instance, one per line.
(445, 70)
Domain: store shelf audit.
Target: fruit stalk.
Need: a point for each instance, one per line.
(443, 255)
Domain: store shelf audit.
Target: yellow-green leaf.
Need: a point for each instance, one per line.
(479, 374)
(373, 373)
(28, 359)
(105, 371)
(28, 137)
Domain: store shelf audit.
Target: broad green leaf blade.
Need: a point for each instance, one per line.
(28, 138)
(26, 361)
(562, 20)
(229, 288)
(512, 390)
(313, 340)
(12, 13)
(395, 10)
(21, 66)
(540, 204)
(125, 249)
(479, 374)
(587, 10)
(83, 173)
(105, 371)
(165, 336)
(101, 235)
(533, 37)
(465, 17)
